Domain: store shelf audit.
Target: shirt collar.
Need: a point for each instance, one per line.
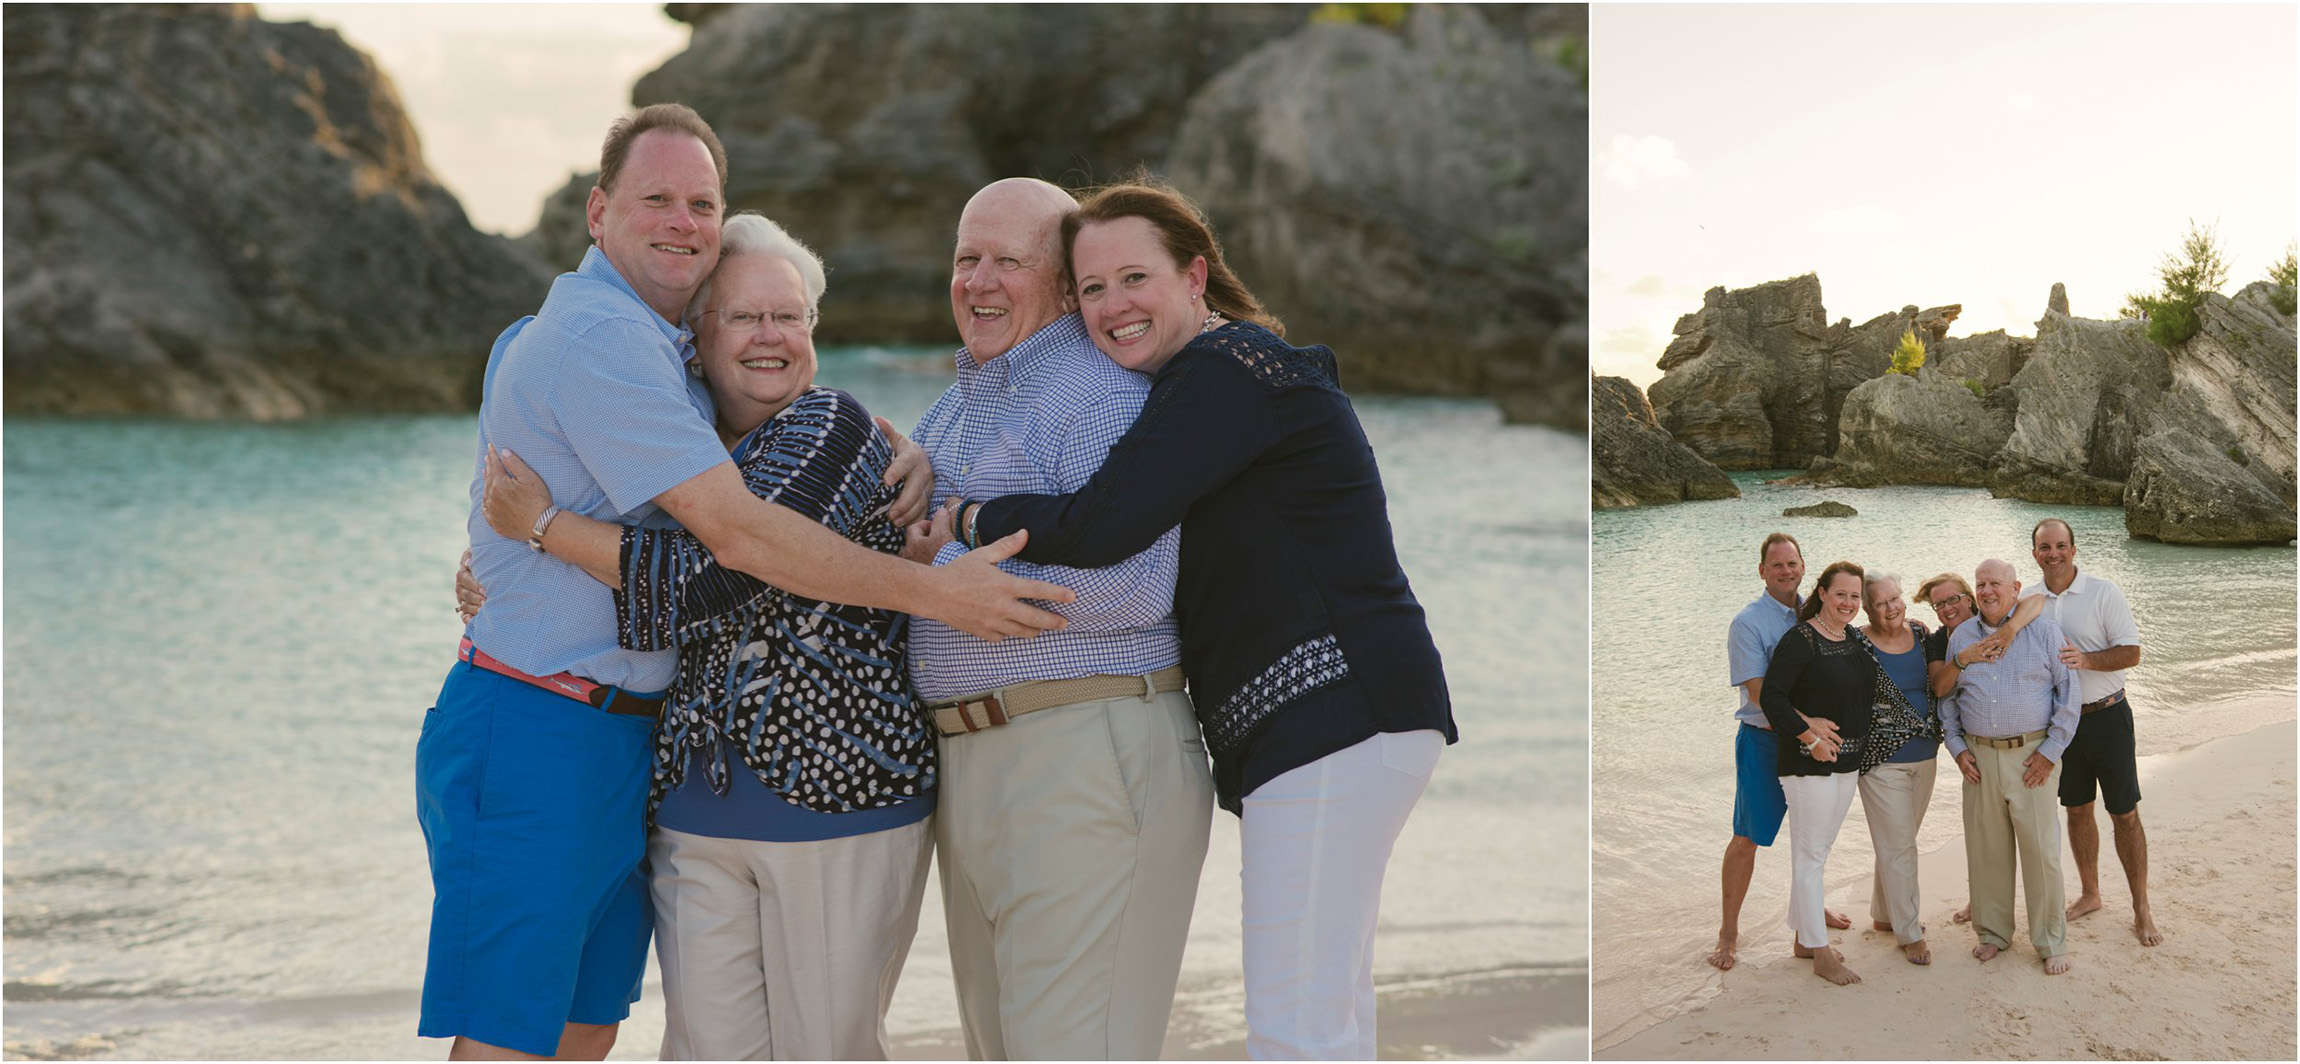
(2077, 585)
(1018, 361)
(596, 267)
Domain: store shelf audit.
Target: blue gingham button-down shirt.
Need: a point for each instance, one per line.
(1039, 419)
(2027, 690)
(592, 391)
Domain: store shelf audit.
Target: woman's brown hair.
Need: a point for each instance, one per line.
(1184, 232)
(1812, 606)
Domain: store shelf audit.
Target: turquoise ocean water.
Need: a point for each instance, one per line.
(2217, 636)
(221, 638)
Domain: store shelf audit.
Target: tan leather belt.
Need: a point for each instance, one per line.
(2103, 702)
(993, 708)
(2013, 743)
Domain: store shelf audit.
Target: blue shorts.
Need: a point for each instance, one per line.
(532, 807)
(1758, 804)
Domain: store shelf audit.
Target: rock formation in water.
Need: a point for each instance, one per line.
(210, 215)
(1633, 461)
(1824, 508)
(1755, 378)
(1417, 199)
(1413, 197)
(2183, 489)
(2195, 442)
(1926, 429)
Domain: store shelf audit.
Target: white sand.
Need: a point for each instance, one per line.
(2221, 834)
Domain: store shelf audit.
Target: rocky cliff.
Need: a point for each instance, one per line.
(2195, 442)
(1413, 196)
(210, 215)
(1634, 462)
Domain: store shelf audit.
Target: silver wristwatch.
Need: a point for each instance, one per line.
(542, 523)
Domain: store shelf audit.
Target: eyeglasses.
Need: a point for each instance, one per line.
(1948, 602)
(791, 322)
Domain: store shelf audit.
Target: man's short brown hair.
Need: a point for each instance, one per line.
(1766, 547)
(674, 116)
(2051, 521)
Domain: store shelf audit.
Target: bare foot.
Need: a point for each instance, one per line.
(1880, 925)
(1721, 958)
(2056, 964)
(1828, 965)
(1918, 952)
(1835, 919)
(1985, 952)
(2144, 926)
(2085, 904)
(1800, 952)
(1964, 915)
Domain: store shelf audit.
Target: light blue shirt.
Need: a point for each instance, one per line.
(1749, 644)
(1039, 419)
(593, 392)
(2027, 690)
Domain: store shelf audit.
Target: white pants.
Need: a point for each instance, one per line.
(1315, 843)
(783, 950)
(1071, 843)
(1893, 798)
(1817, 807)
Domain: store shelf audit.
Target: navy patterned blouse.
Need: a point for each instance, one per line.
(1300, 634)
(813, 697)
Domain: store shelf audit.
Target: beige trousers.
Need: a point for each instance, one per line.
(1893, 799)
(2004, 822)
(1071, 841)
(783, 950)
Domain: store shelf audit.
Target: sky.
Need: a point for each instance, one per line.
(507, 99)
(1927, 155)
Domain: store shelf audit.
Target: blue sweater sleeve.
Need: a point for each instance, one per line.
(1206, 419)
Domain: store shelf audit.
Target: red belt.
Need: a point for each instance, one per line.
(596, 695)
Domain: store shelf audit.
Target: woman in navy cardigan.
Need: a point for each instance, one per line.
(1315, 678)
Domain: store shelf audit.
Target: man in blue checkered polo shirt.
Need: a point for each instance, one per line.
(1076, 797)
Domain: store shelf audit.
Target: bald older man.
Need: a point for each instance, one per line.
(2009, 722)
(1076, 797)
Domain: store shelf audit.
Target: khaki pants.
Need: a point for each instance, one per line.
(783, 950)
(2005, 821)
(1893, 798)
(1071, 840)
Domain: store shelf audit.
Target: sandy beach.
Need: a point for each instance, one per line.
(2220, 820)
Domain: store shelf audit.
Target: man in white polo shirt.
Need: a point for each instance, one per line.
(2102, 643)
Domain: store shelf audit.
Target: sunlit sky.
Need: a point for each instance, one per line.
(508, 99)
(1927, 155)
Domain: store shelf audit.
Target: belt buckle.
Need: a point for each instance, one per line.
(993, 712)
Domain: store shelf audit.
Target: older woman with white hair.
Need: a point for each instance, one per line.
(794, 771)
(1895, 793)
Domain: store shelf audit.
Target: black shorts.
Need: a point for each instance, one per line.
(2102, 753)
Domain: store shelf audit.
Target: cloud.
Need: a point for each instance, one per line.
(1636, 341)
(1867, 219)
(1632, 161)
(1649, 285)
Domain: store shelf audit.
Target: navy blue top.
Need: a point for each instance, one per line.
(1907, 671)
(1300, 634)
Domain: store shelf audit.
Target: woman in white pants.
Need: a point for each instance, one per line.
(1816, 696)
(1311, 667)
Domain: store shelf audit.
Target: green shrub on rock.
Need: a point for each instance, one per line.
(1909, 356)
(2198, 270)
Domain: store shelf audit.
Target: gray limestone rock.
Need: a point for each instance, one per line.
(1754, 379)
(2182, 489)
(1824, 508)
(1417, 199)
(1632, 462)
(2088, 392)
(1927, 429)
(210, 215)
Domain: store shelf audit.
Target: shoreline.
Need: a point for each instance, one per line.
(2221, 820)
